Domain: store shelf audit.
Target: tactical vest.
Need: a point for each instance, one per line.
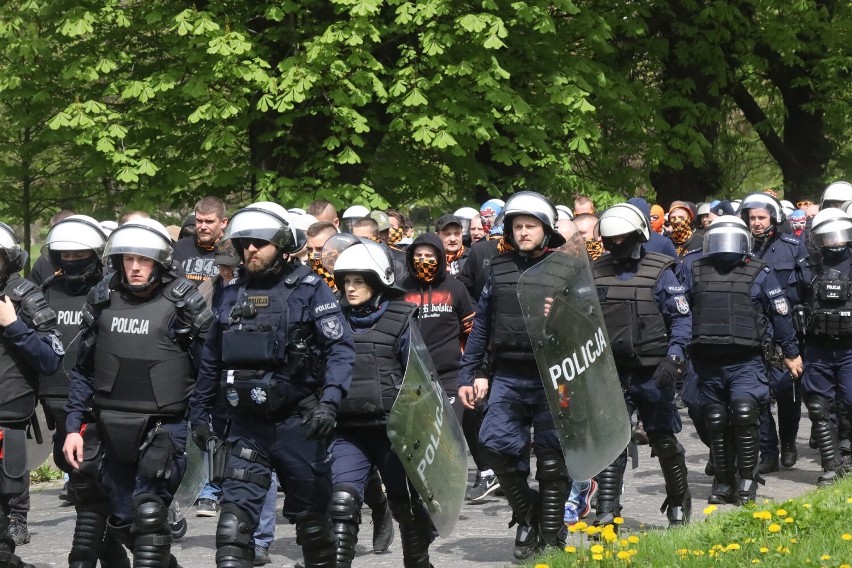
(262, 372)
(377, 373)
(723, 312)
(636, 327)
(69, 311)
(138, 368)
(830, 306)
(18, 380)
(510, 342)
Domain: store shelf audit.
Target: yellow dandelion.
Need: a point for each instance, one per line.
(845, 566)
(762, 515)
(633, 539)
(846, 536)
(618, 521)
(789, 520)
(683, 551)
(542, 566)
(610, 536)
(698, 553)
(825, 557)
(597, 549)
(733, 546)
(755, 561)
(717, 547)
(781, 512)
(712, 553)
(807, 505)
(710, 509)
(849, 500)
(593, 530)
(794, 540)
(597, 556)
(624, 555)
(763, 550)
(578, 526)
(570, 549)
(774, 528)
(608, 528)
(749, 541)
(623, 543)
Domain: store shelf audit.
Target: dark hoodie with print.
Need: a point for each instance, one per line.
(446, 312)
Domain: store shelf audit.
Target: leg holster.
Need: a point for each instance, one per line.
(553, 486)
(319, 546)
(345, 513)
(610, 481)
(234, 538)
(678, 504)
(153, 541)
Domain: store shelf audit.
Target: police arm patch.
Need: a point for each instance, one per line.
(682, 305)
(331, 327)
(781, 305)
(56, 345)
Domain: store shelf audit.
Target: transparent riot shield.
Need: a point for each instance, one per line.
(575, 362)
(194, 479)
(428, 439)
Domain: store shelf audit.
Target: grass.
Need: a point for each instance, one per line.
(45, 472)
(814, 530)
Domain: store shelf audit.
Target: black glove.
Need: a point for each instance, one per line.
(201, 434)
(321, 421)
(156, 456)
(668, 372)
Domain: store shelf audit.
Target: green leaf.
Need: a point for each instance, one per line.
(414, 98)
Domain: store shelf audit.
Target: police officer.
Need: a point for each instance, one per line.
(821, 290)
(780, 251)
(517, 399)
(75, 246)
(283, 356)
(738, 309)
(135, 371)
(380, 323)
(29, 347)
(649, 325)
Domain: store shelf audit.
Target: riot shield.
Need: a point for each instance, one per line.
(194, 479)
(428, 439)
(575, 362)
(39, 440)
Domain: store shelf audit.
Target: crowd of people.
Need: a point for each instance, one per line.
(277, 340)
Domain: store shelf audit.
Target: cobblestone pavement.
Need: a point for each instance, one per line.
(481, 537)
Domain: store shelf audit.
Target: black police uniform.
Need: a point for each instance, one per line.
(284, 345)
(84, 489)
(135, 371)
(361, 441)
(29, 347)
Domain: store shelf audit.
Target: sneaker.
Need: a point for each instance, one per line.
(481, 488)
(19, 531)
(261, 556)
(206, 508)
(571, 515)
(587, 498)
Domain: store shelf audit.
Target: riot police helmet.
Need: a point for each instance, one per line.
(623, 228)
(14, 256)
(264, 221)
(831, 228)
(352, 214)
(535, 205)
(370, 260)
(787, 207)
(563, 212)
(466, 215)
(728, 235)
(140, 237)
(76, 234)
(835, 194)
(760, 200)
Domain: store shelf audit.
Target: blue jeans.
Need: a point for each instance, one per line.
(265, 533)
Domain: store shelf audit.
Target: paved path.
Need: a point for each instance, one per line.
(481, 537)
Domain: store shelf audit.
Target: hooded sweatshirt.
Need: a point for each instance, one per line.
(446, 312)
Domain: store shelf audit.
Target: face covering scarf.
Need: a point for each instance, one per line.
(681, 232)
(595, 249)
(426, 269)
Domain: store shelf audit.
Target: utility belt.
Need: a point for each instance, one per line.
(125, 433)
(830, 323)
(261, 392)
(262, 348)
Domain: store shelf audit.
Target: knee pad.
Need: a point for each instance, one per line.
(314, 532)
(87, 495)
(665, 446)
(716, 418)
(150, 514)
(345, 505)
(499, 462)
(745, 412)
(550, 466)
(819, 407)
(234, 528)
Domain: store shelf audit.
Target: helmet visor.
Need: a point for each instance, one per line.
(142, 241)
(729, 240)
(263, 225)
(833, 234)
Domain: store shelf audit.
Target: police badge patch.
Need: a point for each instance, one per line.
(56, 345)
(258, 395)
(781, 305)
(681, 304)
(331, 327)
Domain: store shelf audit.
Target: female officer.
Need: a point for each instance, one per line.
(380, 324)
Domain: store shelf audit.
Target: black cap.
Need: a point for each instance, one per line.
(447, 219)
(724, 208)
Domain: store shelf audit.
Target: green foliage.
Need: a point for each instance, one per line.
(45, 472)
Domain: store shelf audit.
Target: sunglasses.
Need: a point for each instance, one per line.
(256, 243)
(803, 204)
